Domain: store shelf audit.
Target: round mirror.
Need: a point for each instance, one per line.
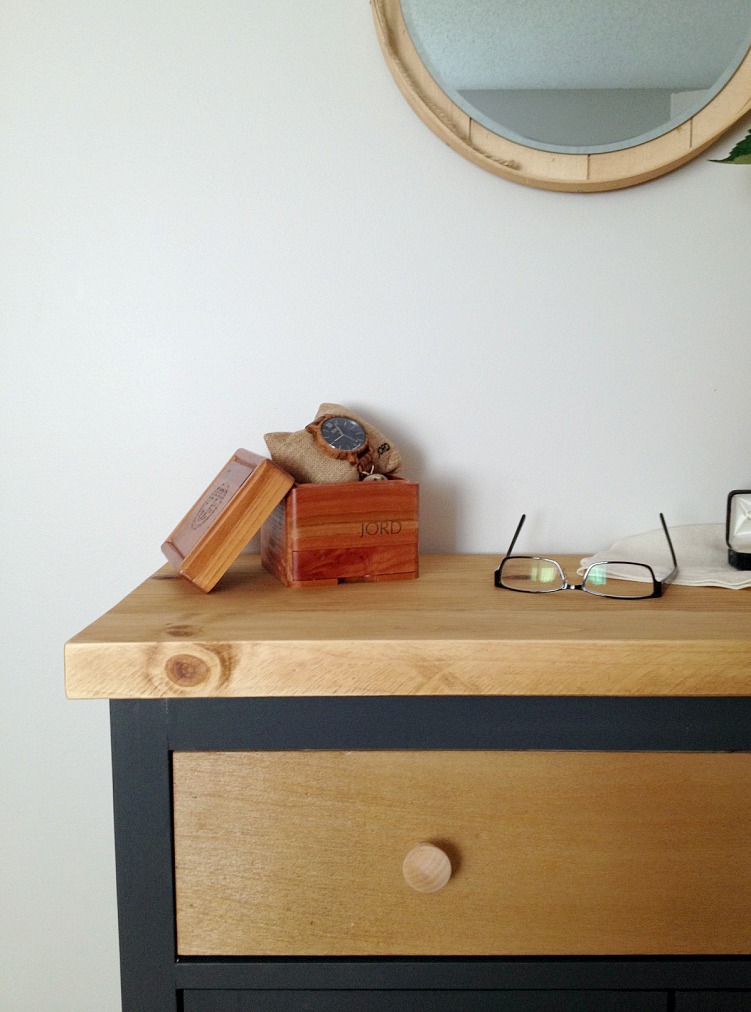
(580, 95)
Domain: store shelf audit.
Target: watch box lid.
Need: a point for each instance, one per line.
(226, 516)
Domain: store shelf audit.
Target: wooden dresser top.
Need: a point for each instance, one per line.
(450, 632)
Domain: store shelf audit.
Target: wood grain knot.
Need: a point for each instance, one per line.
(426, 868)
(187, 670)
(177, 668)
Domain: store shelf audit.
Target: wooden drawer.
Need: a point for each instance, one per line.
(553, 853)
(425, 1001)
(712, 1001)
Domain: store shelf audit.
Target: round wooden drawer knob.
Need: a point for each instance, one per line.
(426, 868)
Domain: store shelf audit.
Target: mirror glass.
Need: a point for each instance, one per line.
(580, 76)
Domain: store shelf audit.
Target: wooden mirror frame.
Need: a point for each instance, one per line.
(550, 170)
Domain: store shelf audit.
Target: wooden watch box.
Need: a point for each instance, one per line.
(311, 534)
(340, 532)
(226, 516)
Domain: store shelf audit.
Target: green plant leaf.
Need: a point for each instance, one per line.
(740, 155)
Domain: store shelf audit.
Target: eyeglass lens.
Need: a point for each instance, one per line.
(537, 576)
(605, 579)
(619, 579)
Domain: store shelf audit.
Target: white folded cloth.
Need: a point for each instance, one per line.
(699, 548)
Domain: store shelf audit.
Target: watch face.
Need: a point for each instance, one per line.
(343, 434)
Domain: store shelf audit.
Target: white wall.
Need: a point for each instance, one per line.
(215, 216)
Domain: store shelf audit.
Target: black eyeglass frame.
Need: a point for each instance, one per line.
(657, 585)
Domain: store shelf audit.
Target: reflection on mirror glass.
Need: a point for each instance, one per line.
(580, 75)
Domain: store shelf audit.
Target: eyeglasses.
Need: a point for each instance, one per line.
(532, 574)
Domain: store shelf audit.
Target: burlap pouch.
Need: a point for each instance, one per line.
(299, 454)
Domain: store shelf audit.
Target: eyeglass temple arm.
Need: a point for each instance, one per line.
(516, 534)
(667, 579)
(671, 575)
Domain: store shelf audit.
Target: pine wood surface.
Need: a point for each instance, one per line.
(548, 169)
(450, 632)
(282, 853)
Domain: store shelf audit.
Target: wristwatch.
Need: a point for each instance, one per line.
(345, 439)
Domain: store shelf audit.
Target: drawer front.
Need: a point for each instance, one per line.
(552, 853)
(713, 1001)
(425, 1001)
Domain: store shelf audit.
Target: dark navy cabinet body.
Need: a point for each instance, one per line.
(146, 733)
